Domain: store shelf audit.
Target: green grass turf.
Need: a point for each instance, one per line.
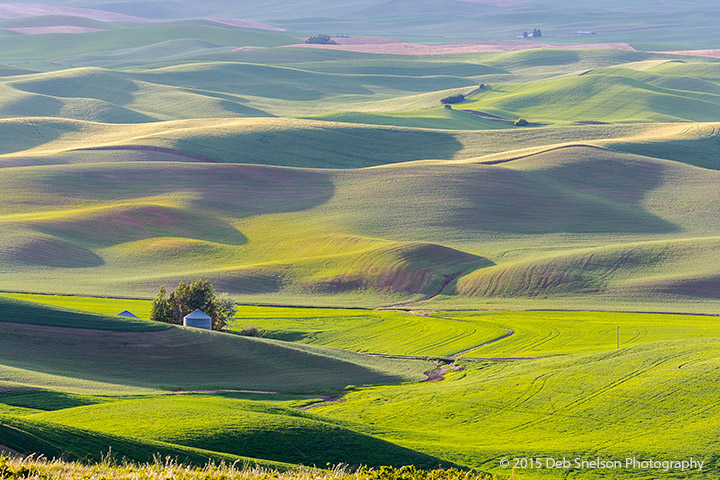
(237, 427)
(649, 401)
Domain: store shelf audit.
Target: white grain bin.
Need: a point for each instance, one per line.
(198, 319)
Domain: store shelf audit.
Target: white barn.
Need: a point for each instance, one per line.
(198, 319)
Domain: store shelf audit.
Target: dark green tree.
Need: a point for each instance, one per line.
(455, 98)
(161, 310)
(186, 298)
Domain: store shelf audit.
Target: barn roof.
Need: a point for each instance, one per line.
(127, 314)
(198, 315)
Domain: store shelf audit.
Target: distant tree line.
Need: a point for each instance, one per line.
(321, 40)
(455, 98)
(536, 33)
(185, 299)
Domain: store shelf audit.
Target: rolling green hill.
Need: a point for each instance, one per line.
(470, 334)
(41, 48)
(145, 359)
(659, 94)
(496, 271)
(554, 223)
(237, 427)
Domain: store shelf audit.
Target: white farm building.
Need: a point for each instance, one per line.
(198, 319)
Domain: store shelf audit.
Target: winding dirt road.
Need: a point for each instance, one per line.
(510, 332)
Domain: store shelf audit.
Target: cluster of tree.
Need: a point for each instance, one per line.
(186, 299)
(521, 122)
(321, 40)
(535, 34)
(456, 98)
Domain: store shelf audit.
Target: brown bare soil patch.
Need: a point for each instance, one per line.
(416, 49)
(436, 375)
(9, 451)
(240, 49)
(696, 53)
(365, 41)
(328, 400)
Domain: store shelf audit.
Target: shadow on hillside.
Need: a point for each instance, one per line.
(43, 400)
(540, 196)
(319, 145)
(24, 134)
(185, 359)
(704, 153)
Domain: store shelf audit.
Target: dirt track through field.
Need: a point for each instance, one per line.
(510, 332)
(8, 450)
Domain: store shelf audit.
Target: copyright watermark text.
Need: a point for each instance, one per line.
(597, 463)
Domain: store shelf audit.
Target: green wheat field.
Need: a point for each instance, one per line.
(469, 254)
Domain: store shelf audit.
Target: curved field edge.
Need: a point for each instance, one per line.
(438, 333)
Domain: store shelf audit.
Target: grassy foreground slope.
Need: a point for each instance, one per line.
(247, 428)
(24, 436)
(650, 402)
(59, 469)
(72, 364)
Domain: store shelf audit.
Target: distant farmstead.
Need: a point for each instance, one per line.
(127, 314)
(198, 319)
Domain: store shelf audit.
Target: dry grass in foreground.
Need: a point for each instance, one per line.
(31, 468)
